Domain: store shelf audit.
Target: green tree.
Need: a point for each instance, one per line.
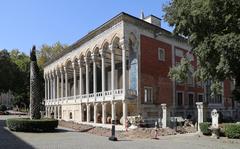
(35, 95)
(44, 54)
(8, 72)
(47, 52)
(212, 28)
(22, 81)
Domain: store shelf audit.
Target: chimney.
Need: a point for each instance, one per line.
(153, 20)
(142, 15)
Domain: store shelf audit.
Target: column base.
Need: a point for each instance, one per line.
(112, 138)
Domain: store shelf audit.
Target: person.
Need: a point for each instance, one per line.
(156, 131)
(126, 125)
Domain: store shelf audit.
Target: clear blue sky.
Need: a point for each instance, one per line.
(27, 22)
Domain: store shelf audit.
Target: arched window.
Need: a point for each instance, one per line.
(161, 54)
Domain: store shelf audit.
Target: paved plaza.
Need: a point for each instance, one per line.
(68, 139)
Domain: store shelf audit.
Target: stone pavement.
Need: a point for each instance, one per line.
(69, 139)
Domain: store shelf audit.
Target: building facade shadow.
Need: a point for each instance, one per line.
(10, 141)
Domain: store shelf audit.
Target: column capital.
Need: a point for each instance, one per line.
(48, 75)
(104, 103)
(56, 72)
(122, 42)
(102, 53)
(113, 102)
(73, 65)
(53, 74)
(94, 57)
(124, 101)
(164, 106)
(65, 68)
(80, 63)
(111, 48)
(86, 59)
(61, 71)
(199, 105)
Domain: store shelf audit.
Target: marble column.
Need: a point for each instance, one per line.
(95, 112)
(112, 70)
(55, 112)
(87, 76)
(124, 68)
(46, 111)
(66, 82)
(104, 113)
(164, 115)
(125, 112)
(53, 86)
(113, 104)
(94, 76)
(200, 113)
(59, 112)
(45, 85)
(81, 114)
(88, 113)
(61, 73)
(48, 87)
(57, 84)
(74, 81)
(80, 77)
(103, 73)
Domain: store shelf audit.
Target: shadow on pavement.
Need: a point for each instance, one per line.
(10, 141)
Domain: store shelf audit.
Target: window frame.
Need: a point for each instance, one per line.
(163, 56)
(146, 92)
(200, 94)
(177, 98)
(191, 93)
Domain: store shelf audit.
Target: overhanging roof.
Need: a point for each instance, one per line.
(118, 18)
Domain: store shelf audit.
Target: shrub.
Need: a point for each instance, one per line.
(3, 108)
(27, 125)
(232, 130)
(204, 127)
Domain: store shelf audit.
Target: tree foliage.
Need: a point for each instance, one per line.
(14, 75)
(179, 73)
(47, 52)
(35, 90)
(15, 72)
(213, 30)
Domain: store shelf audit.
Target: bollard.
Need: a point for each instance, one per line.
(176, 124)
(113, 137)
(156, 131)
(126, 125)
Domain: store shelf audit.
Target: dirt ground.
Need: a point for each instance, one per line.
(139, 133)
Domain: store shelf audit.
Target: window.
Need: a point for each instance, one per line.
(148, 94)
(190, 56)
(179, 99)
(199, 84)
(161, 54)
(200, 98)
(70, 115)
(190, 99)
(190, 78)
(178, 52)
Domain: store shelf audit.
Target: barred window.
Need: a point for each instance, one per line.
(179, 98)
(161, 54)
(148, 94)
(190, 99)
